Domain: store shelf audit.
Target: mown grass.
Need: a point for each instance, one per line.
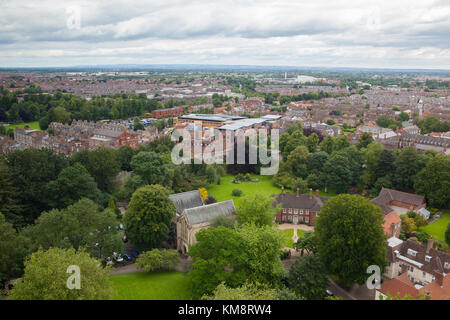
(32, 125)
(437, 229)
(168, 285)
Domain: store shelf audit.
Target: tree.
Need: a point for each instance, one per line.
(72, 184)
(364, 140)
(248, 291)
(308, 278)
(13, 249)
(224, 221)
(316, 161)
(433, 181)
(203, 193)
(124, 156)
(150, 167)
(102, 164)
(327, 144)
(336, 173)
(312, 142)
(9, 194)
(79, 225)
(149, 216)
(234, 256)
(158, 259)
(406, 168)
(297, 160)
(308, 242)
(46, 277)
(350, 237)
(386, 164)
(31, 170)
(256, 208)
(341, 142)
(113, 208)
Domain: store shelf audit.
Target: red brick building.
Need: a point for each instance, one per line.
(170, 112)
(298, 208)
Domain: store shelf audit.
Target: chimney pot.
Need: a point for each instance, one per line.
(310, 193)
(317, 192)
(430, 244)
(298, 192)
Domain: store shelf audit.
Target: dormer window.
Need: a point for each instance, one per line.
(427, 258)
(411, 252)
(447, 265)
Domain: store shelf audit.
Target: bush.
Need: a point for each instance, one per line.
(210, 200)
(236, 192)
(157, 259)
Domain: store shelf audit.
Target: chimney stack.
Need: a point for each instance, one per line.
(310, 193)
(392, 234)
(430, 244)
(282, 191)
(427, 295)
(317, 192)
(298, 192)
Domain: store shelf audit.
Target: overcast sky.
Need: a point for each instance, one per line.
(391, 34)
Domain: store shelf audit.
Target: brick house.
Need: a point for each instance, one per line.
(298, 208)
(170, 112)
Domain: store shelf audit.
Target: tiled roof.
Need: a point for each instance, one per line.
(209, 212)
(401, 285)
(301, 201)
(438, 258)
(186, 200)
(386, 196)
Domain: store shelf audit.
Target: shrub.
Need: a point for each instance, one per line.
(157, 259)
(236, 192)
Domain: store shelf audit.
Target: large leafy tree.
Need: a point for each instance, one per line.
(72, 184)
(316, 161)
(364, 140)
(257, 209)
(124, 156)
(79, 225)
(9, 195)
(327, 144)
(308, 278)
(102, 164)
(31, 170)
(13, 249)
(248, 291)
(297, 161)
(336, 173)
(150, 167)
(350, 237)
(149, 216)
(46, 277)
(434, 182)
(406, 168)
(235, 256)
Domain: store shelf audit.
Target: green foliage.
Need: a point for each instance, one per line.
(234, 256)
(247, 291)
(149, 216)
(327, 144)
(72, 184)
(433, 181)
(150, 167)
(224, 221)
(158, 259)
(447, 235)
(46, 276)
(256, 209)
(79, 225)
(236, 192)
(336, 173)
(13, 249)
(9, 194)
(364, 140)
(350, 237)
(308, 278)
(297, 161)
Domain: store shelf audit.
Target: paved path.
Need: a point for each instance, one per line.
(303, 227)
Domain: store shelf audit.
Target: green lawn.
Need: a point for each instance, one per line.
(437, 228)
(265, 186)
(32, 125)
(222, 192)
(287, 235)
(169, 285)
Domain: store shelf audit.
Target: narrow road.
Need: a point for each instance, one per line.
(339, 292)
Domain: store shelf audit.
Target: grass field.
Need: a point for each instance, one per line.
(287, 234)
(169, 285)
(265, 186)
(32, 125)
(222, 192)
(437, 228)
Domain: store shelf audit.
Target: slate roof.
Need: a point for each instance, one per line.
(186, 200)
(386, 196)
(209, 212)
(303, 201)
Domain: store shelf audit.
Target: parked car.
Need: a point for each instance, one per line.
(329, 293)
(127, 257)
(108, 261)
(121, 227)
(117, 257)
(135, 254)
